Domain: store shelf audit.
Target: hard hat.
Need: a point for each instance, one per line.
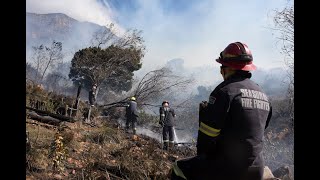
(133, 98)
(237, 55)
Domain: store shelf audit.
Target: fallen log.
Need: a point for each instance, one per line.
(56, 116)
(44, 119)
(38, 123)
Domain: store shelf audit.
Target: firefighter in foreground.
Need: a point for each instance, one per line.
(167, 122)
(231, 124)
(131, 115)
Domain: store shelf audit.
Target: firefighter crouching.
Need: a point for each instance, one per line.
(231, 124)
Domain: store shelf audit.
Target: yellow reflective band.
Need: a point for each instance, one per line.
(209, 130)
(178, 171)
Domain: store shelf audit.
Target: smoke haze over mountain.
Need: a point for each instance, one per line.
(75, 35)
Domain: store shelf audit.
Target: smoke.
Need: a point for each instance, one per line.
(168, 35)
(91, 15)
(146, 131)
(43, 29)
(182, 136)
(272, 80)
(179, 135)
(278, 150)
(197, 31)
(84, 10)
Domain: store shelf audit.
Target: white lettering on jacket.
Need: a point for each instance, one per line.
(254, 99)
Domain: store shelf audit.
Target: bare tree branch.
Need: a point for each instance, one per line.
(157, 82)
(45, 58)
(284, 23)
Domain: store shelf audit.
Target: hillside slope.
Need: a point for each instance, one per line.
(104, 151)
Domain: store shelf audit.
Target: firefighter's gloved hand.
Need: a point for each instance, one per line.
(203, 104)
(203, 110)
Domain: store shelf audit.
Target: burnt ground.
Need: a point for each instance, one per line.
(103, 151)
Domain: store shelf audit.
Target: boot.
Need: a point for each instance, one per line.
(165, 145)
(171, 144)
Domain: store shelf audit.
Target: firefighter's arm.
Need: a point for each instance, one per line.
(269, 117)
(211, 120)
(173, 113)
(161, 112)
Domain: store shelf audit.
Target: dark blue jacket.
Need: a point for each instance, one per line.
(231, 126)
(167, 116)
(131, 110)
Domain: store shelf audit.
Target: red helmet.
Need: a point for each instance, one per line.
(237, 55)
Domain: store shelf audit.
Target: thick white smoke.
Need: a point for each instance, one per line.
(84, 10)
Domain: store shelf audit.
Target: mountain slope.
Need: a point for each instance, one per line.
(43, 28)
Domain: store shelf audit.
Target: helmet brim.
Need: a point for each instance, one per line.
(243, 67)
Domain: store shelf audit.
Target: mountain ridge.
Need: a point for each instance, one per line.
(44, 28)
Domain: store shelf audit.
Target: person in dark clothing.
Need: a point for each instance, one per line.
(231, 124)
(92, 95)
(131, 115)
(167, 122)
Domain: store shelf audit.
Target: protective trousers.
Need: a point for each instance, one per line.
(131, 121)
(168, 137)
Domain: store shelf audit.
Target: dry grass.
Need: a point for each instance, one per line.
(98, 152)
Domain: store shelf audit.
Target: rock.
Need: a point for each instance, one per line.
(69, 160)
(57, 176)
(267, 174)
(139, 144)
(283, 172)
(135, 138)
(286, 177)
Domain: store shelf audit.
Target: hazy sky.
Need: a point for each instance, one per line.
(193, 30)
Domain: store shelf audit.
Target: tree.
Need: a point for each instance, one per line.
(154, 86)
(31, 73)
(284, 24)
(45, 58)
(158, 83)
(56, 81)
(112, 66)
(276, 151)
